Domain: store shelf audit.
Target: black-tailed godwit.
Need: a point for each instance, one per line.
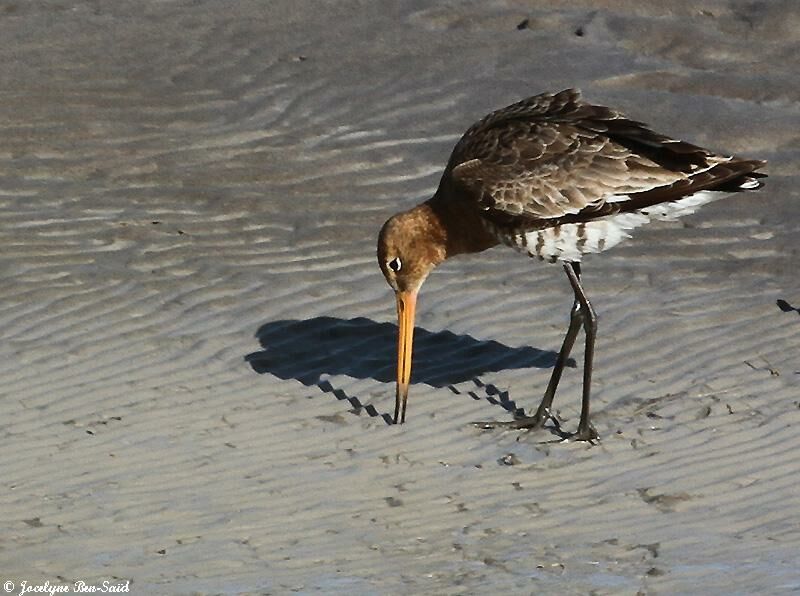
(556, 178)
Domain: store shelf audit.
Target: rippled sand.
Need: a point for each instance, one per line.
(197, 355)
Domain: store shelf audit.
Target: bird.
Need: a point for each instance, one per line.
(557, 178)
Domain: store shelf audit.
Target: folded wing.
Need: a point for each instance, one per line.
(554, 159)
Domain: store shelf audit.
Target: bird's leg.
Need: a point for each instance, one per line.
(576, 320)
(543, 413)
(586, 431)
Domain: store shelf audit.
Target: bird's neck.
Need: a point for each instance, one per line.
(456, 227)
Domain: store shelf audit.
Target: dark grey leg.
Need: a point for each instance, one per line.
(543, 412)
(586, 431)
(581, 315)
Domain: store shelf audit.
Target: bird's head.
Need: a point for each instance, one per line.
(410, 245)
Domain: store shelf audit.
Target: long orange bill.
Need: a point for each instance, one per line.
(406, 306)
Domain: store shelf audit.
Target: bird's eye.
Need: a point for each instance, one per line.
(395, 264)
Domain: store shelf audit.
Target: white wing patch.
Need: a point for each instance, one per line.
(750, 184)
(570, 242)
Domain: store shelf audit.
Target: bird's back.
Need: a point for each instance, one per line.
(559, 178)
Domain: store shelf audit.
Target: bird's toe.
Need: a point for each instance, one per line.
(585, 433)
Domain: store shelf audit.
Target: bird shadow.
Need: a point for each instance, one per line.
(313, 349)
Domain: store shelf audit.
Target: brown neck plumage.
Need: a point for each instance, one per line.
(457, 225)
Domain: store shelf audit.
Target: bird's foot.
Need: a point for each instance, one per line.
(522, 422)
(586, 433)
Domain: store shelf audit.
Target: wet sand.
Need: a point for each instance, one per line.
(197, 356)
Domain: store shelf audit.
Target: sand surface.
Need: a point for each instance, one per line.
(197, 345)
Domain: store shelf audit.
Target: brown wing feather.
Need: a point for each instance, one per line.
(725, 177)
(553, 156)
